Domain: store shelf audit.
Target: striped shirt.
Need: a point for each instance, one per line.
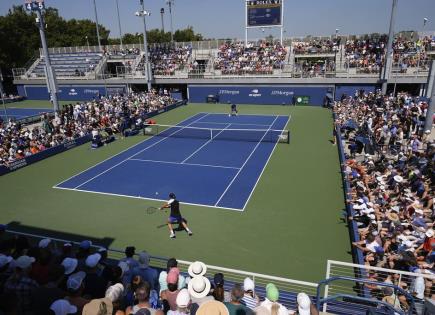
(250, 301)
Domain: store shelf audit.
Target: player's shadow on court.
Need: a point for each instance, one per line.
(35, 234)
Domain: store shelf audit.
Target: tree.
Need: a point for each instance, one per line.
(187, 35)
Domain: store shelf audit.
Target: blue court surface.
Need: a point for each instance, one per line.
(20, 113)
(216, 168)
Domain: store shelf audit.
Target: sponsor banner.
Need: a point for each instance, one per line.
(68, 92)
(262, 95)
(351, 90)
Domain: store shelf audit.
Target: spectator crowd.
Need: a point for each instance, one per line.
(390, 168)
(166, 59)
(261, 58)
(104, 115)
(45, 278)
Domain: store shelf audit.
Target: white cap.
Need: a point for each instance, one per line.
(75, 280)
(248, 284)
(70, 264)
(304, 303)
(183, 298)
(430, 233)
(44, 243)
(63, 307)
(24, 262)
(114, 292)
(93, 260)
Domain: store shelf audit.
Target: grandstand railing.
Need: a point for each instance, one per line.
(292, 287)
(401, 279)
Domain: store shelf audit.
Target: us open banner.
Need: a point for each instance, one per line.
(264, 13)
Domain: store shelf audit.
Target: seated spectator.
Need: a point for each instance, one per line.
(129, 254)
(169, 296)
(171, 263)
(142, 295)
(98, 306)
(75, 287)
(147, 273)
(21, 284)
(250, 299)
(184, 306)
(63, 307)
(115, 294)
(212, 308)
(304, 305)
(219, 293)
(95, 285)
(235, 307)
(271, 301)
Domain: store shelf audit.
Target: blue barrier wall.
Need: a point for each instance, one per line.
(350, 90)
(68, 92)
(252, 94)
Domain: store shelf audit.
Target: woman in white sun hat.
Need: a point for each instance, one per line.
(199, 288)
(197, 269)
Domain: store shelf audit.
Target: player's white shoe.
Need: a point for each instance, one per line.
(172, 235)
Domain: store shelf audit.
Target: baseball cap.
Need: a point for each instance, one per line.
(172, 277)
(218, 279)
(248, 284)
(85, 244)
(24, 262)
(44, 243)
(114, 292)
(63, 307)
(4, 260)
(75, 280)
(70, 264)
(304, 303)
(144, 259)
(93, 260)
(272, 292)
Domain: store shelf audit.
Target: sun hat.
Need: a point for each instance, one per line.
(75, 280)
(63, 307)
(398, 178)
(199, 287)
(93, 260)
(430, 233)
(44, 243)
(197, 268)
(4, 260)
(173, 274)
(70, 264)
(144, 259)
(212, 308)
(183, 298)
(393, 216)
(98, 307)
(304, 304)
(24, 262)
(248, 284)
(272, 292)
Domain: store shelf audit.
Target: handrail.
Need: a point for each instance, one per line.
(327, 281)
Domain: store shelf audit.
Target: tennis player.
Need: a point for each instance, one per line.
(175, 215)
(234, 110)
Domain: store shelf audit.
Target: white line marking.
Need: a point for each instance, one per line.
(146, 148)
(264, 167)
(144, 198)
(211, 139)
(241, 124)
(139, 143)
(178, 163)
(259, 115)
(250, 155)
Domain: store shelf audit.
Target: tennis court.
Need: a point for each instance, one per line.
(20, 113)
(208, 159)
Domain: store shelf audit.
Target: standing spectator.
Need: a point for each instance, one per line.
(129, 253)
(235, 307)
(21, 284)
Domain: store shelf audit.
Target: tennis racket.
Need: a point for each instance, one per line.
(151, 210)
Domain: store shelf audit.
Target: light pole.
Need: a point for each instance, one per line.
(2, 96)
(162, 13)
(389, 54)
(143, 14)
(336, 49)
(170, 3)
(119, 24)
(96, 25)
(87, 43)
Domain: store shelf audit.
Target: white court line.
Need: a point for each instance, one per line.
(55, 186)
(144, 198)
(241, 124)
(226, 114)
(211, 139)
(146, 148)
(264, 167)
(178, 163)
(244, 164)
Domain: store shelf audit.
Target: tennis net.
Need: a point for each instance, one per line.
(252, 135)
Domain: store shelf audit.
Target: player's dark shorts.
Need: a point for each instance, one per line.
(172, 219)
